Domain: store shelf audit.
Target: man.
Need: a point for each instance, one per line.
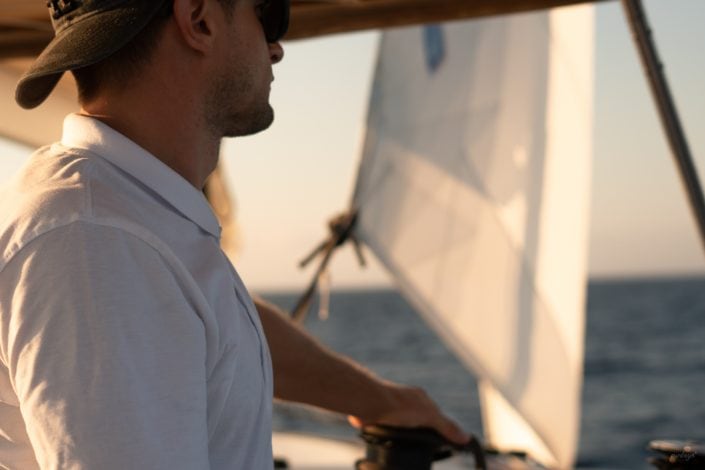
(127, 340)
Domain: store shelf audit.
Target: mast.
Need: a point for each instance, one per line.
(668, 114)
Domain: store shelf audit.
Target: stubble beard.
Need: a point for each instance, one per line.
(226, 117)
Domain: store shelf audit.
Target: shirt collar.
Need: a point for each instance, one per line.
(86, 133)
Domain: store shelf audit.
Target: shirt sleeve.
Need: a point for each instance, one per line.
(106, 353)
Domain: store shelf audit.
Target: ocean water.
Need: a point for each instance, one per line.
(644, 365)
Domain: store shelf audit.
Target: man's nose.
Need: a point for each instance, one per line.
(276, 52)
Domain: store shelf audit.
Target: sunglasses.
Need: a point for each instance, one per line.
(274, 16)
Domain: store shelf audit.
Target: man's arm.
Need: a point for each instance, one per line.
(306, 371)
(106, 356)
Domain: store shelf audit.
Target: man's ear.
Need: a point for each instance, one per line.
(196, 21)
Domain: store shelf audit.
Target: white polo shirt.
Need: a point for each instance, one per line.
(127, 340)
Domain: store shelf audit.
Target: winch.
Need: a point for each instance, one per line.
(677, 455)
(391, 448)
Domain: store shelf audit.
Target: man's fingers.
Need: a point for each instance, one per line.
(441, 423)
(451, 431)
(412, 407)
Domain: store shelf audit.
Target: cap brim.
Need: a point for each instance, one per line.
(88, 41)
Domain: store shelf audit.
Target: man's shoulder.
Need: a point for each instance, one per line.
(57, 187)
(51, 177)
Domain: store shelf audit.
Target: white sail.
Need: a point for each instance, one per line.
(474, 192)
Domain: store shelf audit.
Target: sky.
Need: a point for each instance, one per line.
(289, 180)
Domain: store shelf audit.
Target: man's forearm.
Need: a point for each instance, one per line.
(306, 371)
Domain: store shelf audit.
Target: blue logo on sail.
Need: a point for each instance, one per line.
(434, 46)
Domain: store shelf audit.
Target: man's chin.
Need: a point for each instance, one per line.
(251, 126)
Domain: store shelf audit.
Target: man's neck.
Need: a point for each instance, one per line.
(167, 129)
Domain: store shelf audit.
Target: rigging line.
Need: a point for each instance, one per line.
(636, 17)
(341, 230)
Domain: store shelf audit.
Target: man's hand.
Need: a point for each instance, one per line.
(411, 407)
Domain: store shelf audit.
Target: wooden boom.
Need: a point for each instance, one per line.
(25, 28)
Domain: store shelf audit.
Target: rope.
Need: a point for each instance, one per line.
(341, 230)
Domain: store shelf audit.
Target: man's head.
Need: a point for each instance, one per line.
(110, 39)
(237, 87)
